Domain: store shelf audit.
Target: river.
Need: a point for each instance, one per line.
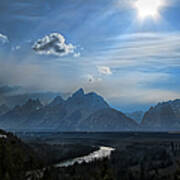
(99, 154)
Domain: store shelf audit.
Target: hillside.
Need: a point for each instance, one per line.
(16, 158)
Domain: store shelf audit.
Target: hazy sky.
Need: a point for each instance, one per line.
(112, 47)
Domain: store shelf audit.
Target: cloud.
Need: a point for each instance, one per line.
(124, 4)
(90, 78)
(77, 54)
(122, 88)
(53, 44)
(15, 48)
(104, 70)
(3, 39)
(147, 50)
(37, 77)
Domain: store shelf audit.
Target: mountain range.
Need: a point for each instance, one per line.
(164, 116)
(80, 112)
(87, 112)
(14, 99)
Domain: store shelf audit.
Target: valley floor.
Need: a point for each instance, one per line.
(138, 156)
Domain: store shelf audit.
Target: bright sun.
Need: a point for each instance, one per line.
(148, 8)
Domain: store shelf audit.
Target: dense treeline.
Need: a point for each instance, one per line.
(19, 161)
(55, 153)
(16, 158)
(134, 163)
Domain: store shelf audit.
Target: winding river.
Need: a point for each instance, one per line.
(99, 154)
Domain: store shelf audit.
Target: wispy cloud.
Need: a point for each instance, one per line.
(124, 4)
(77, 54)
(3, 39)
(38, 77)
(135, 88)
(141, 49)
(136, 67)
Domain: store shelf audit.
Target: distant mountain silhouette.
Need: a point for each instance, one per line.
(11, 100)
(87, 112)
(79, 112)
(19, 114)
(164, 116)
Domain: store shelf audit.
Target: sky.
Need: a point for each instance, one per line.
(125, 50)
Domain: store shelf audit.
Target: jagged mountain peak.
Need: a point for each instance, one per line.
(163, 116)
(33, 101)
(32, 104)
(73, 114)
(86, 101)
(57, 101)
(79, 93)
(94, 95)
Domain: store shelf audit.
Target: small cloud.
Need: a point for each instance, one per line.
(53, 44)
(3, 39)
(77, 54)
(104, 70)
(92, 79)
(16, 48)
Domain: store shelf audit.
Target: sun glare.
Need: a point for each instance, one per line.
(148, 8)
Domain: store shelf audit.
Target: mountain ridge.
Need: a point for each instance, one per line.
(163, 116)
(87, 112)
(62, 115)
